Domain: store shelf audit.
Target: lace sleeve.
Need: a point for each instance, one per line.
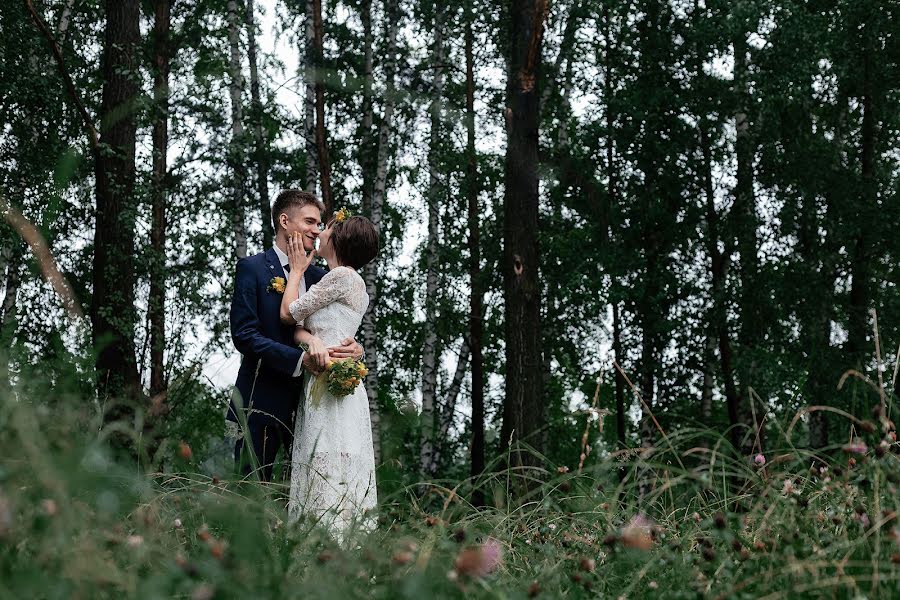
(334, 286)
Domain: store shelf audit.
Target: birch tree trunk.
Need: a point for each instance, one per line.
(157, 299)
(429, 347)
(62, 27)
(309, 101)
(236, 151)
(370, 273)
(262, 161)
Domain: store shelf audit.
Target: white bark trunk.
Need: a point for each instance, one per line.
(370, 273)
(427, 454)
(236, 152)
(65, 18)
(309, 103)
(448, 410)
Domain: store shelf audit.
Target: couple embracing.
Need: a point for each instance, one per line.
(282, 304)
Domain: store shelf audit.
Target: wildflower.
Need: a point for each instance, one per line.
(203, 534)
(788, 487)
(133, 541)
(478, 561)
(184, 451)
(863, 519)
(653, 585)
(402, 558)
(534, 589)
(760, 460)
(204, 591)
(720, 520)
(562, 469)
(177, 524)
(325, 556)
(217, 549)
(588, 565)
(636, 534)
(49, 506)
(551, 526)
(856, 447)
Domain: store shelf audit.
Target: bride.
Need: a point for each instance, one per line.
(333, 470)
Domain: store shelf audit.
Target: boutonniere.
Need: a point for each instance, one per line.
(277, 285)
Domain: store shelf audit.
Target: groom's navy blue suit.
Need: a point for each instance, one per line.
(268, 390)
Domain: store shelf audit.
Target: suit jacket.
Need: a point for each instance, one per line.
(265, 381)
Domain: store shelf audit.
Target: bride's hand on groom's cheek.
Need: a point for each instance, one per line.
(297, 256)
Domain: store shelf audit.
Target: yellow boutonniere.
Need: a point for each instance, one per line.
(277, 285)
(342, 215)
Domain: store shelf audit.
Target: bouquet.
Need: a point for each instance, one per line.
(340, 378)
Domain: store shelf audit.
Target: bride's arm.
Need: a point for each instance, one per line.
(334, 286)
(299, 262)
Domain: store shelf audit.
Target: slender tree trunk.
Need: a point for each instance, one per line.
(236, 151)
(65, 17)
(309, 102)
(259, 139)
(718, 267)
(321, 132)
(12, 258)
(475, 294)
(448, 406)
(619, 381)
(370, 273)
(752, 297)
(523, 405)
(156, 306)
(613, 195)
(858, 328)
(368, 139)
(429, 347)
(113, 315)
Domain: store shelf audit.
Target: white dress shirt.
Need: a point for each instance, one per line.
(284, 263)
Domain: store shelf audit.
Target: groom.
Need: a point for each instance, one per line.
(269, 380)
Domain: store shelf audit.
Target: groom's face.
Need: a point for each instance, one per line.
(305, 221)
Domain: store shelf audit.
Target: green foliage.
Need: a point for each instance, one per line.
(688, 519)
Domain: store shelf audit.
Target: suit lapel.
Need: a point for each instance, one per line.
(274, 264)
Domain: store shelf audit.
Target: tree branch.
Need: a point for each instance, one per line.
(91, 131)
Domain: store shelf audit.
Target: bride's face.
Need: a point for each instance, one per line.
(325, 249)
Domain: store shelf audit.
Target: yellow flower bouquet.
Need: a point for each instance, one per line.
(340, 378)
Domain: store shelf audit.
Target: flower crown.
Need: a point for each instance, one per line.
(342, 215)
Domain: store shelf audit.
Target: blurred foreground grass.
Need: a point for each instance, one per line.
(690, 519)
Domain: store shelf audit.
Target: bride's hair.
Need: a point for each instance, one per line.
(355, 241)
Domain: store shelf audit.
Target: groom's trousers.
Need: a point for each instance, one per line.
(266, 440)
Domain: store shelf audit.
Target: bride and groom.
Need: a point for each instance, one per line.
(281, 300)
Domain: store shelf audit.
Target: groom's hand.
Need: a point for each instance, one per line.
(348, 349)
(309, 363)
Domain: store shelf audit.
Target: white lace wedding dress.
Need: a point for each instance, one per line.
(333, 470)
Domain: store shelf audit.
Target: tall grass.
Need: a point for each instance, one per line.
(687, 519)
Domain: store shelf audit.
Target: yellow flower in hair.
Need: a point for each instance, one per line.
(341, 215)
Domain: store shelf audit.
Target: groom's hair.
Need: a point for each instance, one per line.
(291, 198)
(355, 241)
